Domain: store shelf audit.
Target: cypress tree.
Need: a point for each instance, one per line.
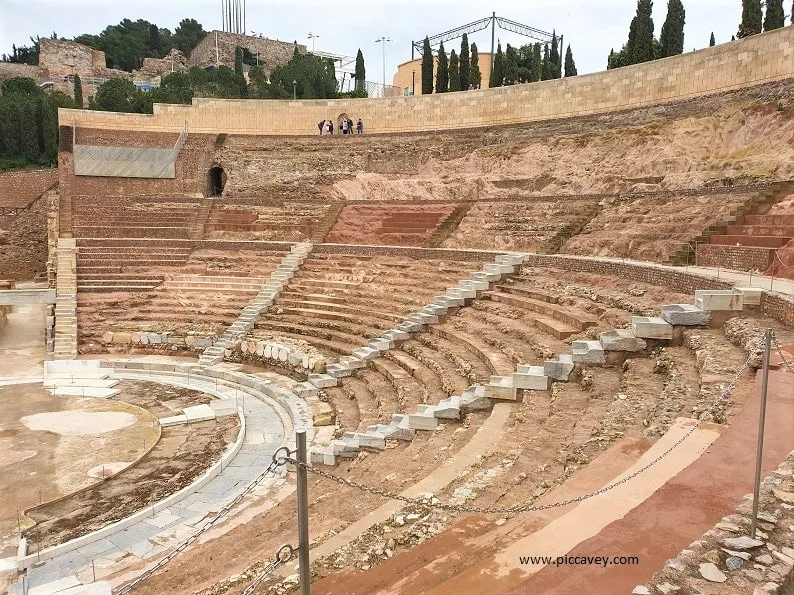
(454, 72)
(640, 45)
(510, 66)
(570, 65)
(360, 72)
(537, 62)
(78, 91)
(672, 35)
(442, 71)
(774, 18)
(545, 73)
(554, 58)
(465, 77)
(497, 74)
(752, 15)
(711, 40)
(427, 68)
(238, 61)
(475, 75)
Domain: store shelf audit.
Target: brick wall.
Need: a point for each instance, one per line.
(752, 61)
(737, 258)
(271, 51)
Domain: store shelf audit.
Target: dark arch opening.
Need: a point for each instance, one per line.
(216, 180)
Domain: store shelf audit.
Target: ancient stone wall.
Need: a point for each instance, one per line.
(62, 58)
(751, 61)
(218, 47)
(737, 258)
(173, 62)
(9, 71)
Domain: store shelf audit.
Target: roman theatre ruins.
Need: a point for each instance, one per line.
(513, 322)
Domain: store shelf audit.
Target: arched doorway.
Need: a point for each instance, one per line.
(216, 180)
(340, 118)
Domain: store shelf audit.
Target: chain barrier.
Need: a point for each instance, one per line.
(786, 364)
(280, 457)
(284, 554)
(530, 507)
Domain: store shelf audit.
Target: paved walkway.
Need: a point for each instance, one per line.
(685, 507)
(266, 431)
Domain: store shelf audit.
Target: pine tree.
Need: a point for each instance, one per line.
(570, 65)
(78, 91)
(752, 15)
(545, 71)
(442, 71)
(640, 45)
(774, 18)
(497, 74)
(465, 77)
(474, 72)
(360, 72)
(427, 68)
(672, 35)
(454, 72)
(711, 40)
(554, 58)
(537, 62)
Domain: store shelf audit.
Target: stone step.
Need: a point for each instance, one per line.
(621, 340)
(588, 352)
(530, 378)
(719, 300)
(474, 399)
(685, 314)
(559, 368)
(94, 392)
(651, 327)
(84, 382)
(322, 380)
(501, 388)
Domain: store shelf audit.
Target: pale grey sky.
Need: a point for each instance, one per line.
(591, 27)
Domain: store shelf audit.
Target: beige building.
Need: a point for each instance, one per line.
(409, 71)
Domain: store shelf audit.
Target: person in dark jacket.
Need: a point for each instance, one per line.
(360, 126)
(321, 125)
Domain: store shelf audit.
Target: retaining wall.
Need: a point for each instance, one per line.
(751, 61)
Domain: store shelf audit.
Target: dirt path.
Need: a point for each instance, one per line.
(686, 506)
(22, 348)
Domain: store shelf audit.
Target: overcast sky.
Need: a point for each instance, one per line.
(591, 27)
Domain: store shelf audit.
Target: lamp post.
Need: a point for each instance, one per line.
(312, 36)
(383, 39)
(294, 89)
(413, 82)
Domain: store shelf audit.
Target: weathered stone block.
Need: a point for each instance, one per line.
(685, 314)
(366, 353)
(322, 380)
(621, 339)
(448, 408)
(651, 327)
(751, 296)
(530, 378)
(559, 368)
(588, 352)
(417, 421)
(501, 387)
(372, 441)
(474, 399)
(719, 299)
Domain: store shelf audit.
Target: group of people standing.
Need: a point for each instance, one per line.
(346, 126)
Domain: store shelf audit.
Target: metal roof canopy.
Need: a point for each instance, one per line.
(491, 21)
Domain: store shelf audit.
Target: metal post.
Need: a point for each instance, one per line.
(761, 419)
(303, 515)
(493, 37)
(413, 82)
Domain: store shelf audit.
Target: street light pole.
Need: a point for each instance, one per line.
(413, 82)
(383, 39)
(294, 89)
(312, 37)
